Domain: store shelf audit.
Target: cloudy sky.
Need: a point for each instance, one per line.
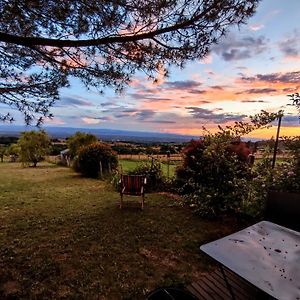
(251, 69)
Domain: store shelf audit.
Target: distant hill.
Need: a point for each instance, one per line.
(104, 134)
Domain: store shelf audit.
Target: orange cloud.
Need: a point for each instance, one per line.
(194, 103)
(261, 133)
(240, 89)
(267, 133)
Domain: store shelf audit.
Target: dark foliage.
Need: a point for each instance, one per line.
(89, 158)
(78, 140)
(56, 148)
(240, 149)
(295, 99)
(7, 140)
(128, 149)
(214, 175)
(286, 177)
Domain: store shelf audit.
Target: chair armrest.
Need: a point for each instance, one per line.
(145, 180)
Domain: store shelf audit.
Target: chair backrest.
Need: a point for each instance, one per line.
(284, 209)
(133, 183)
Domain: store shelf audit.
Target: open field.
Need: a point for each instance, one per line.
(63, 236)
(129, 165)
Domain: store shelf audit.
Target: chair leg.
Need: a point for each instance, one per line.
(143, 200)
(121, 201)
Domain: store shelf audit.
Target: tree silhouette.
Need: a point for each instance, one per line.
(103, 43)
(295, 98)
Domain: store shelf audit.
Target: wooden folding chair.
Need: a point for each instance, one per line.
(133, 185)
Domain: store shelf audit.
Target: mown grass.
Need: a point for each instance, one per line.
(63, 236)
(129, 165)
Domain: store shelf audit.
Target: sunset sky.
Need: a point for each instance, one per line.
(251, 69)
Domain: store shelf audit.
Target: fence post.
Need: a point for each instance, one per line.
(276, 142)
(100, 169)
(168, 164)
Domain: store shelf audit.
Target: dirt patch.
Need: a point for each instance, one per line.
(172, 196)
(11, 288)
(159, 258)
(63, 291)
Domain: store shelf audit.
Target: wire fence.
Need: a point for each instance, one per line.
(160, 157)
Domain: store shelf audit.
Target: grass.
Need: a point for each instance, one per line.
(63, 236)
(129, 165)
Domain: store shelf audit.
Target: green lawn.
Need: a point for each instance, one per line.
(129, 165)
(63, 236)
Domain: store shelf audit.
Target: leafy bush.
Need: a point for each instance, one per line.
(78, 140)
(89, 158)
(34, 146)
(13, 151)
(153, 172)
(3, 150)
(286, 177)
(283, 178)
(56, 148)
(213, 179)
(262, 177)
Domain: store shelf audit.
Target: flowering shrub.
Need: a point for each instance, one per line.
(286, 177)
(213, 179)
(262, 178)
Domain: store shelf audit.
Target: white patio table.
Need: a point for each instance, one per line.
(266, 255)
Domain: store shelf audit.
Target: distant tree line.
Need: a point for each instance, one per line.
(149, 149)
(7, 140)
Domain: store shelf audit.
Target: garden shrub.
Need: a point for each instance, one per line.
(78, 140)
(152, 170)
(89, 157)
(286, 176)
(216, 178)
(262, 177)
(213, 178)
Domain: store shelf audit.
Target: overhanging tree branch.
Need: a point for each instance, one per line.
(111, 40)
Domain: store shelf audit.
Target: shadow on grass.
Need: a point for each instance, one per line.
(70, 240)
(110, 252)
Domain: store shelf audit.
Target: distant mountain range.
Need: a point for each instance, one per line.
(104, 134)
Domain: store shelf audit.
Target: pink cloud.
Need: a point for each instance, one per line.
(90, 121)
(207, 60)
(256, 27)
(55, 121)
